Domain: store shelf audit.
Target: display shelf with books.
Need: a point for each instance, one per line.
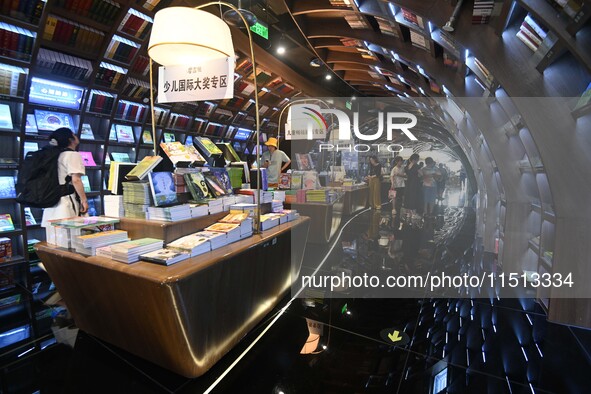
(13, 81)
(122, 50)
(482, 75)
(56, 65)
(109, 75)
(11, 113)
(131, 111)
(100, 13)
(100, 102)
(135, 24)
(66, 35)
(178, 122)
(25, 13)
(17, 42)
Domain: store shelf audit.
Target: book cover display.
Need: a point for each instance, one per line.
(197, 186)
(224, 179)
(215, 186)
(86, 132)
(147, 137)
(142, 169)
(179, 153)
(207, 147)
(87, 159)
(124, 133)
(7, 187)
(6, 222)
(121, 157)
(162, 188)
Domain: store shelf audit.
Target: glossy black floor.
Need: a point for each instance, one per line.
(488, 346)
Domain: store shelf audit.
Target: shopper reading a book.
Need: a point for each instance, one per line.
(70, 164)
(275, 161)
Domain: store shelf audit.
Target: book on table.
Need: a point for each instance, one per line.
(165, 256)
(197, 186)
(141, 170)
(184, 155)
(162, 188)
(193, 244)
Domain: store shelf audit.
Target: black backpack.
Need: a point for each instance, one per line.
(37, 184)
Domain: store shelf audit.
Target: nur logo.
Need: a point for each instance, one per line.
(308, 121)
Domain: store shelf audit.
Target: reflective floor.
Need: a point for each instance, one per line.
(322, 344)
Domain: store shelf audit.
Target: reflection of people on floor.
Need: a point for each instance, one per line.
(462, 177)
(397, 181)
(430, 175)
(375, 179)
(442, 180)
(412, 188)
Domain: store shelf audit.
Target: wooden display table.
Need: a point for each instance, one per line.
(355, 199)
(184, 317)
(326, 218)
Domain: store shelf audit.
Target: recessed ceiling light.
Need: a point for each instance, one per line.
(280, 50)
(328, 77)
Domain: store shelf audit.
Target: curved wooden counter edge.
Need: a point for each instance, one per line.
(184, 317)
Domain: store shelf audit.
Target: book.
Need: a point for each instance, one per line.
(124, 133)
(147, 137)
(86, 132)
(117, 173)
(197, 186)
(207, 147)
(214, 185)
(122, 157)
(86, 183)
(29, 218)
(228, 151)
(162, 188)
(304, 161)
(142, 169)
(181, 154)
(193, 244)
(6, 222)
(169, 137)
(130, 251)
(31, 124)
(7, 187)
(5, 254)
(87, 159)
(224, 179)
(165, 256)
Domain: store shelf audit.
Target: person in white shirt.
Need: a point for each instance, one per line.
(397, 183)
(70, 163)
(275, 161)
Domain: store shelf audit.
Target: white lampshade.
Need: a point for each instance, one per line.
(184, 35)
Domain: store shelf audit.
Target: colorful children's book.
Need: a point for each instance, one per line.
(162, 188)
(6, 222)
(87, 159)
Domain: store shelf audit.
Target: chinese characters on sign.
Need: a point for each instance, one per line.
(209, 80)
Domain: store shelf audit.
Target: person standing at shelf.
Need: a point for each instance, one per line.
(70, 164)
(412, 189)
(275, 161)
(375, 179)
(430, 174)
(442, 180)
(397, 182)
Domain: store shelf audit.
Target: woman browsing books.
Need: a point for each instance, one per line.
(70, 164)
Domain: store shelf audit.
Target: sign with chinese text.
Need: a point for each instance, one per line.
(207, 80)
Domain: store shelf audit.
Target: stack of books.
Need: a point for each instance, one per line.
(136, 199)
(268, 221)
(228, 201)
(531, 33)
(291, 214)
(242, 219)
(244, 207)
(193, 244)
(129, 252)
(199, 210)
(266, 196)
(277, 206)
(216, 239)
(244, 198)
(291, 197)
(165, 256)
(231, 231)
(316, 196)
(170, 214)
(114, 206)
(88, 244)
(215, 205)
(279, 195)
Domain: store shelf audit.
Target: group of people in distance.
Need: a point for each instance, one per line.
(417, 186)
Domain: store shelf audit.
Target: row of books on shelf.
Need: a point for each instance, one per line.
(26, 10)
(12, 80)
(66, 32)
(482, 11)
(103, 11)
(100, 102)
(135, 24)
(141, 65)
(16, 42)
(135, 88)
(109, 75)
(130, 111)
(531, 33)
(121, 49)
(63, 65)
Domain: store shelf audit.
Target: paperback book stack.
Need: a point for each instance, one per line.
(242, 219)
(88, 244)
(114, 206)
(170, 214)
(531, 33)
(316, 196)
(244, 198)
(216, 239)
(279, 195)
(198, 210)
(63, 232)
(245, 207)
(136, 199)
(277, 206)
(291, 214)
(290, 196)
(215, 205)
(130, 251)
(265, 196)
(165, 256)
(193, 244)
(231, 230)
(268, 221)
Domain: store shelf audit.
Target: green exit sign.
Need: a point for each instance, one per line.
(261, 29)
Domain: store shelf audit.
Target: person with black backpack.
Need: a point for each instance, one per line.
(70, 168)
